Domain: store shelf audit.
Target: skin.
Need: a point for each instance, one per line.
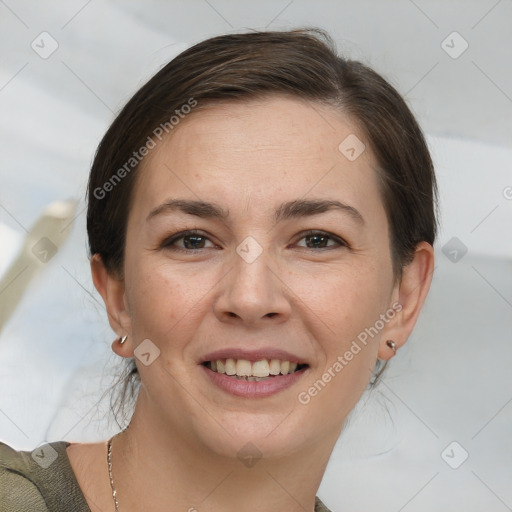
(181, 448)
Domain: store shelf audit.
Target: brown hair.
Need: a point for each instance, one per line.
(302, 63)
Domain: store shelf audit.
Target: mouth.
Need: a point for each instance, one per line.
(253, 371)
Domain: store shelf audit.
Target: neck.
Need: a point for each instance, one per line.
(158, 468)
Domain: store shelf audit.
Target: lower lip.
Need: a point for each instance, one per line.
(253, 389)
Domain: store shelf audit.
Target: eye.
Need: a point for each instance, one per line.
(320, 240)
(187, 240)
(192, 240)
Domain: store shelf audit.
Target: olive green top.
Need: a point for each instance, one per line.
(27, 485)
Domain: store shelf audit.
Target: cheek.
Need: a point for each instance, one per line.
(346, 298)
(350, 303)
(162, 302)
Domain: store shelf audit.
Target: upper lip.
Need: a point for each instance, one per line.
(252, 355)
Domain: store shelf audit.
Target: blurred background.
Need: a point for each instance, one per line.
(436, 433)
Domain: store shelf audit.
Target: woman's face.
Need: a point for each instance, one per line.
(273, 271)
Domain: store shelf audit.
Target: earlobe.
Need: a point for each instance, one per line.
(411, 292)
(119, 347)
(392, 345)
(112, 291)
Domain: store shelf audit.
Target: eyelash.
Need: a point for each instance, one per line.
(168, 242)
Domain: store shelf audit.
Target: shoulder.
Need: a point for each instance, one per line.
(39, 480)
(17, 488)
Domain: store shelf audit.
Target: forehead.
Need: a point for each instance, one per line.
(259, 152)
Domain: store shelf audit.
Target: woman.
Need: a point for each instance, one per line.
(261, 221)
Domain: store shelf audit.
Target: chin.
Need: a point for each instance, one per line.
(245, 434)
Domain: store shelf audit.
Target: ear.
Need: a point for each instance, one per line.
(112, 291)
(411, 293)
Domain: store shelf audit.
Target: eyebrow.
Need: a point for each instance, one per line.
(308, 207)
(201, 209)
(291, 209)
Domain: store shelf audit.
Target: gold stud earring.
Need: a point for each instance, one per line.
(122, 339)
(392, 345)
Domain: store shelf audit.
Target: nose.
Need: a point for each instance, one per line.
(253, 293)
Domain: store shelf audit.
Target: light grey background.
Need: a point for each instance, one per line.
(451, 382)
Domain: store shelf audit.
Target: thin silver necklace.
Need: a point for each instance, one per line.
(109, 464)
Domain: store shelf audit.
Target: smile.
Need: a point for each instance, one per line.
(253, 371)
(241, 377)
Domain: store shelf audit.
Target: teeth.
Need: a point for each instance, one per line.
(243, 368)
(249, 379)
(230, 367)
(259, 370)
(275, 367)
